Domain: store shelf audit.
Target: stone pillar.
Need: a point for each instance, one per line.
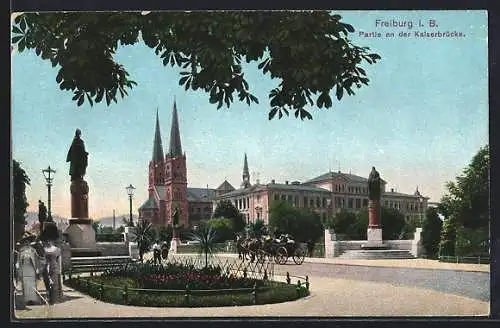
(330, 244)
(374, 232)
(80, 232)
(416, 243)
(79, 199)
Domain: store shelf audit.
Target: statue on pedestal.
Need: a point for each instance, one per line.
(78, 157)
(374, 185)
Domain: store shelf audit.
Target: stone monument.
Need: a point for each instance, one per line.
(80, 233)
(374, 232)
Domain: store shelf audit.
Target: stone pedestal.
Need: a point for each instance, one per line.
(79, 199)
(80, 233)
(173, 246)
(374, 232)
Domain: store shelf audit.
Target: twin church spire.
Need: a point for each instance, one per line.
(175, 149)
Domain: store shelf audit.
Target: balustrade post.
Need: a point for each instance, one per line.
(125, 294)
(186, 295)
(288, 280)
(254, 293)
(298, 288)
(307, 283)
(101, 290)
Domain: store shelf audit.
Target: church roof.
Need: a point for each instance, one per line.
(149, 204)
(157, 145)
(245, 166)
(175, 149)
(200, 194)
(274, 186)
(225, 186)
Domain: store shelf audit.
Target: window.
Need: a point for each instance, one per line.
(386, 203)
(306, 201)
(290, 198)
(296, 200)
(324, 202)
(258, 198)
(283, 197)
(311, 202)
(365, 202)
(276, 196)
(318, 202)
(198, 209)
(358, 203)
(350, 203)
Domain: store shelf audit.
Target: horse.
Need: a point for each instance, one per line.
(241, 247)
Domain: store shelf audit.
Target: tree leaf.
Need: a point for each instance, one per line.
(273, 112)
(340, 92)
(81, 100)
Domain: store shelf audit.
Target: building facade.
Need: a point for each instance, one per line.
(326, 194)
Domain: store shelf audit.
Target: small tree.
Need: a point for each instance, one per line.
(223, 227)
(257, 228)
(431, 232)
(340, 223)
(226, 209)
(448, 237)
(143, 236)
(205, 236)
(20, 181)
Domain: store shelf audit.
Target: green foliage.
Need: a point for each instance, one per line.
(448, 237)
(466, 208)
(303, 224)
(165, 233)
(20, 181)
(431, 232)
(144, 237)
(472, 242)
(309, 51)
(468, 197)
(226, 209)
(206, 237)
(257, 229)
(96, 226)
(340, 223)
(393, 225)
(223, 228)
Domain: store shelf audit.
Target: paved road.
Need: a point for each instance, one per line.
(475, 285)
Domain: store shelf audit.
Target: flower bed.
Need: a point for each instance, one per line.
(178, 285)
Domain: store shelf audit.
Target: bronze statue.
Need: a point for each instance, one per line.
(77, 156)
(374, 185)
(42, 213)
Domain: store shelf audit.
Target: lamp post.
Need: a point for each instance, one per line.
(130, 192)
(46, 173)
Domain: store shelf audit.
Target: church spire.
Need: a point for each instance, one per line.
(246, 174)
(157, 146)
(175, 137)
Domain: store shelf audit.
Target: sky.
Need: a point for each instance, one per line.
(419, 122)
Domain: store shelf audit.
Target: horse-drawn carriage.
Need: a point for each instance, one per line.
(277, 249)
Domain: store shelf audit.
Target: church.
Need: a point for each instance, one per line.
(167, 184)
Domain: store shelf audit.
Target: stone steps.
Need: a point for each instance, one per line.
(366, 254)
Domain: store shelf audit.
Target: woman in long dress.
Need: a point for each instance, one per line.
(28, 269)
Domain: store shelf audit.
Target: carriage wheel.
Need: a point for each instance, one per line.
(299, 255)
(281, 255)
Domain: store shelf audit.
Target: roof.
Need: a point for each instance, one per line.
(275, 186)
(347, 176)
(149, 204)
(400, 194)
(157, 145)
(225, 186)
(200, 195)
(175, 149)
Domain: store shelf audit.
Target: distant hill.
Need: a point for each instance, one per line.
(32, 217)
(108, 220)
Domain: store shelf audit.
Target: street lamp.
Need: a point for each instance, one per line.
(130, 192)
(46, 173)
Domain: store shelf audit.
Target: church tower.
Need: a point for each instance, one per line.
(246, 174)
(176, 176)
(157, 164)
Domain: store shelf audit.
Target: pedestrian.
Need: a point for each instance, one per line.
(156, 253)
(28, 272)
(165, 247)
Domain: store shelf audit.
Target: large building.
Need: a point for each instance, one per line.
(326, 194)
(167, 187)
